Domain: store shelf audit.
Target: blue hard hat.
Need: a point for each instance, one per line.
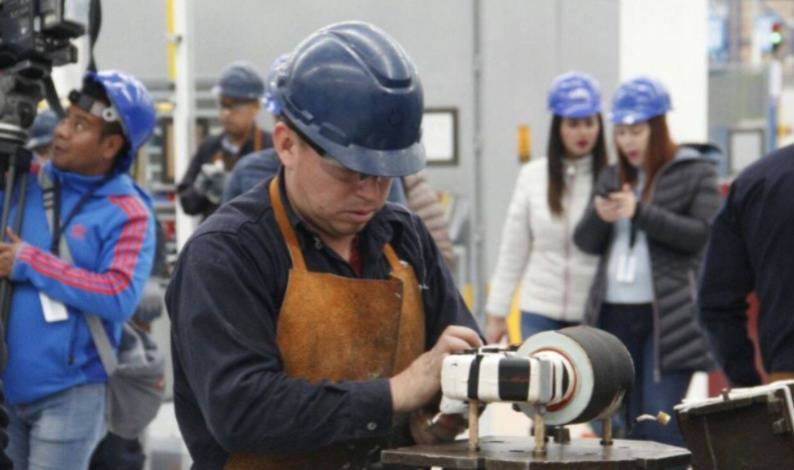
(240, 80)
(574, 95)
(134, 106)
(43, 129)
(353, 91)
(270, 100)
(639, 100)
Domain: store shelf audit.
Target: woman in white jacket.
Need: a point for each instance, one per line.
(549, 198)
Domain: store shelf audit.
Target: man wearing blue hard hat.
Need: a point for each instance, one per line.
(82, 259)
(256, 167)
(322, 312)
(239, 92)
(41, 134)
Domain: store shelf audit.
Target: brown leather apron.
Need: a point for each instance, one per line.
(230, 160)
(780, 375)
(337, 328)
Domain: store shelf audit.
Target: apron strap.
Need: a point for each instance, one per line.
(286, 228)
(396, 264)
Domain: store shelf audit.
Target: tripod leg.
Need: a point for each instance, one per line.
(5, 462)
(20, 217)
(5, 285)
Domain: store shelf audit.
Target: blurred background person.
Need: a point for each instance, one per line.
(649, 222)
(115, 452)
(550, 196)
(424, 201)
(239, 92)
(41, 135)
(260, 165)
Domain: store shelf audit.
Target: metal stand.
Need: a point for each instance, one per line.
(606, 435)
(514, 453)
(539, 429)
(474, 426)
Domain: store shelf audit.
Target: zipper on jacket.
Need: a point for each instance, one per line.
(72, 343)
(657, 320)
(566, 277)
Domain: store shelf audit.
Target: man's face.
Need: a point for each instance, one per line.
(238, 116)
(332, 199)
(79, 145)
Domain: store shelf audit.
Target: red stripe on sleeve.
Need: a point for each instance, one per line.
(125, 255)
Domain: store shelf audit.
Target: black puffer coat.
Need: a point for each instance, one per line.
(676, 221)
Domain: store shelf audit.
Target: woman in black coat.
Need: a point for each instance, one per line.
(649, 221)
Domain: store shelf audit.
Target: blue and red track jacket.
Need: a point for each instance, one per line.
(112, 242)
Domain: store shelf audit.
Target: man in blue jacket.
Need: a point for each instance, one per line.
(55, 382)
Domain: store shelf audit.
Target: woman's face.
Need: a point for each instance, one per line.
(632, 141)
(579, 135)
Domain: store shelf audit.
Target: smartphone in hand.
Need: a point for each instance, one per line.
(606, 193)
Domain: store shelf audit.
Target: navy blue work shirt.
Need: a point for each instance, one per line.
(751, 245)
(251, 170)
(230, 390)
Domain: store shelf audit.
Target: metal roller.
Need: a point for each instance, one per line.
(572, 375)
(603, 373)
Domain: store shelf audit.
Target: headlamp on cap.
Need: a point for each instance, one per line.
(94, 106)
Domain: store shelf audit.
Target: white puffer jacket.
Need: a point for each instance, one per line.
(556, 274)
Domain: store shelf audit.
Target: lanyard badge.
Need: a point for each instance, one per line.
(627, 268)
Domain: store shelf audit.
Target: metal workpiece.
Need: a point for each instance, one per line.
(561, 377)
(514, 453)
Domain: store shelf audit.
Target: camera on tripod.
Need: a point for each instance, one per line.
(35, 35)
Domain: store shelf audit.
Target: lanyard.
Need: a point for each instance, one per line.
(58, 229)
(633, 222)
(632, 234)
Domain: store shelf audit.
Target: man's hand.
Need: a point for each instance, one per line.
(210, 181)
(8, 252)
(495, 328)
(420, 383)
(444, 428)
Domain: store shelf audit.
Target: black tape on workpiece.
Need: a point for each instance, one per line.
(474, 377)
(566, 380)
(514, 378)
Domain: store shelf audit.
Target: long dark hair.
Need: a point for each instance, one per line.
(555, 154)
(661, 149)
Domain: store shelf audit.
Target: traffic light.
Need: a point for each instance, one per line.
(776, 36)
